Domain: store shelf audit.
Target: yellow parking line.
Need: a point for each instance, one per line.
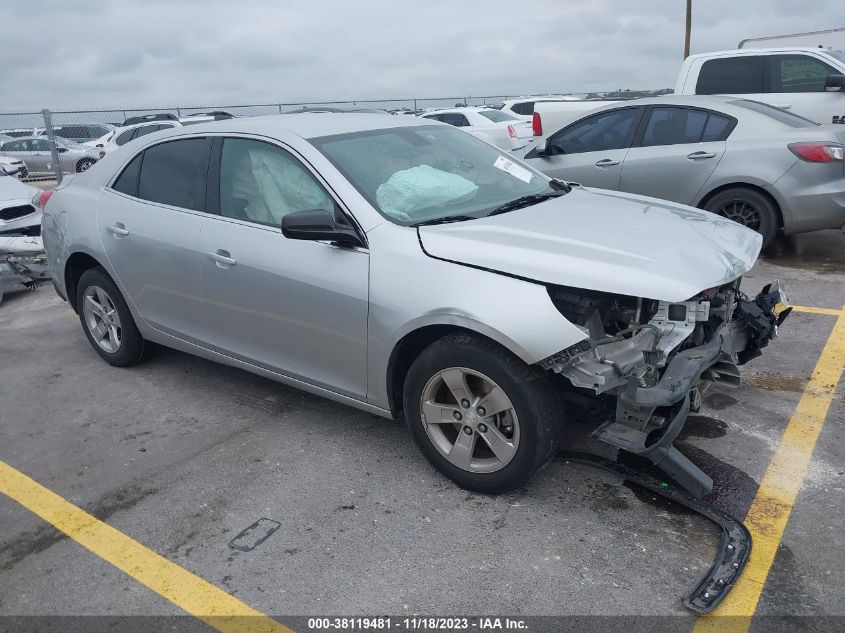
(811, 310)
(184, 589)
(770, 510)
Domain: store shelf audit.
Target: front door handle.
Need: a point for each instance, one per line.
(223, 258)
(701, 155)
(607, 162)
(783, 106)
(118, 230)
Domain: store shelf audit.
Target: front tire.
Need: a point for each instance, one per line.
(107, 321)
(748, 207)
(479, 414)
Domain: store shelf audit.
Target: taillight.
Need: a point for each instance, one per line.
(511, 132)
(537, 124)
(818, 152)
(40, 199)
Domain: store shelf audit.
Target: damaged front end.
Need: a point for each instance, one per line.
(651, 361)
(23, 262)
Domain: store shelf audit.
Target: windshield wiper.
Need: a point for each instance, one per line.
(526, 201)
(445, 220)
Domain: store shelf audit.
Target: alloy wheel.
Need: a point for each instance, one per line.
(102, 319)
(470, 420)
(741, 212)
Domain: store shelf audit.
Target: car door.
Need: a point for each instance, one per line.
(295, 307)
(675, 152)
(148, 221)
(591, 150)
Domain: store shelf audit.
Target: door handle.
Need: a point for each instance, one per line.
(607, 162)
(118, 230)
(783, 106)
(701, 155)
(223, 258)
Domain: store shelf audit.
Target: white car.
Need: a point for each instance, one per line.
(523, 107)
(501, 129)
(13, 167)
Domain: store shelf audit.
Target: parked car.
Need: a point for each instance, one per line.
(20, 132)
(35, 152)
(553, 115)
(809, 82)
(403, 267)
(22, 258)
(132, 130)
(523, 107)
(13, 167)
(503, 130)
(83, 133)
(760, 166)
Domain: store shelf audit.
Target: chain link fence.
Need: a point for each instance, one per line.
(44, 145)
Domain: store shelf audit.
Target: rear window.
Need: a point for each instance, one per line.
(127, 182)
(174, 173)
(496, 116)
(742, 74)
(782, 116)
(524, 108)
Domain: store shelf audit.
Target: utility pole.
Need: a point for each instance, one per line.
(689, 29)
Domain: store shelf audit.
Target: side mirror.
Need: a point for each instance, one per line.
(834, 83)
(318, 225)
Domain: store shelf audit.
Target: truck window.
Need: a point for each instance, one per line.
(742, 74)
(797, 73)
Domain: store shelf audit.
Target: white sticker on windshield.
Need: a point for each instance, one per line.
(513, 169)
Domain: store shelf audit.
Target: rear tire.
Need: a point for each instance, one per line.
(489, 450)
(107, 321)
(748, 207)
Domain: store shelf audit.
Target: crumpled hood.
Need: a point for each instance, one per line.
(604, 240)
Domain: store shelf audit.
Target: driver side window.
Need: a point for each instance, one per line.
(261, 183)
(600, 132)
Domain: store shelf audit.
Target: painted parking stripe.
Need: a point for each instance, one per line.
(769, 512)
(186, 590)
(812, 310)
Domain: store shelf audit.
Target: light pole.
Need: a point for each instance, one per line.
(689, 28)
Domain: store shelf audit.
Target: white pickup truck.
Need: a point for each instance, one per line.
(809, 82)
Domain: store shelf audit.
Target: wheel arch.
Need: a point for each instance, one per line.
(411, 345)
(75, 266)
(702, 202)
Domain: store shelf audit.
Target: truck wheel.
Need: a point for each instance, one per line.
(479, 414)
(107, 322)
(749, 208)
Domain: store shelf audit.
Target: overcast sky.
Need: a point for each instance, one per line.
(68, 53)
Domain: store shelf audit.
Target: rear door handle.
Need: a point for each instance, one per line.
(783, 106)
(607, 162)
(701, 155)
(223, 258)
(117, 229)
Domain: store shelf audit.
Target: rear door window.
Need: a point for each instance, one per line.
(742, 74)
(175, 173)
(672, 126)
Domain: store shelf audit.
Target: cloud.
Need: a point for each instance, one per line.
(77, 54)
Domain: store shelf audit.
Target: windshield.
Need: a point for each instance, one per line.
(496, 116)
(792, 120)
(418, 174)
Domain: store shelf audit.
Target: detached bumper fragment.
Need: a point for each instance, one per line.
(734, 543)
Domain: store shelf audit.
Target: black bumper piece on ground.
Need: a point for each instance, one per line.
(734, 544)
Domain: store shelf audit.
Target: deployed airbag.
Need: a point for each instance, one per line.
(422, 187)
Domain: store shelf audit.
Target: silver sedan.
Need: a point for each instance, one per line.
(409, 269)
(763, 167)
(34, 151)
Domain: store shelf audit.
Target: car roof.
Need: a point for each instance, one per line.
(759, 51)
(303, 124)
(701, 101)
(461, 110)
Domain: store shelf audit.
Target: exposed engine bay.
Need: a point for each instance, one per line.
(651, 361)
